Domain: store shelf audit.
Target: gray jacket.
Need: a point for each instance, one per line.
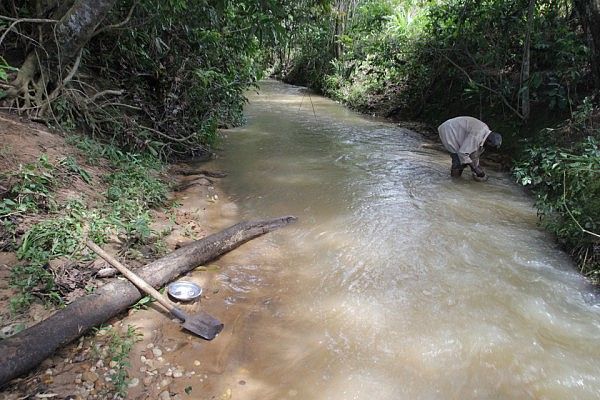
(464, 136)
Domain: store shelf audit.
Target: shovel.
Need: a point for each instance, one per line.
(202, 324)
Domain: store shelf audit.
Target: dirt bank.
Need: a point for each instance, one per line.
(164, 361)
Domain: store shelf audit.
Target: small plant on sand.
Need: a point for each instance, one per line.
(70, 164)
(115, 354)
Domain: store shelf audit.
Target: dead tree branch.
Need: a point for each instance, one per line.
(20, 20)
(120, 24)
(504, 100)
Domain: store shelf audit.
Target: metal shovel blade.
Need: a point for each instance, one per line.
(203, 325)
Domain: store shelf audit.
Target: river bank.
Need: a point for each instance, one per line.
(143, 354)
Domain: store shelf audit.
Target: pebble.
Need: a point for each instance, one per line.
(150, 345)
(113, 364)
(89, 376)
(100, 364)
(177, 373)
(197, 363)
(99, 385)
(164, 395)
(166, 382)
(7, 331)
(157, 352)
(133, 383)
(152, 365)
(143, 359)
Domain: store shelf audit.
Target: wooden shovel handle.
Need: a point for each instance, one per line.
(136, 280)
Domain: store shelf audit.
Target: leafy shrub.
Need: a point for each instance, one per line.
(566, 185)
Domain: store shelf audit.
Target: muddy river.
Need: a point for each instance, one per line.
(397, 282)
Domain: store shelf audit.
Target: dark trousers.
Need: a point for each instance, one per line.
(457, 167)
(456, 161)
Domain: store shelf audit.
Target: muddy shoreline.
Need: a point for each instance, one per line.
(166, 362)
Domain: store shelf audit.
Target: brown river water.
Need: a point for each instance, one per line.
(397, 282)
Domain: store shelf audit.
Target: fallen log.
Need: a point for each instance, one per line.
(193, 171)
(25, 350)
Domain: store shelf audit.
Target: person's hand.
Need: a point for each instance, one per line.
(483, 178)
(478, 171)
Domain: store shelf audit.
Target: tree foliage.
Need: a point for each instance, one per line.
(157, 76)
(400, 57)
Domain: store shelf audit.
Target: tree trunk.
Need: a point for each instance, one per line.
(589, 14)
(77, 27)
(60, 49)
(28, 348)
(525, 106)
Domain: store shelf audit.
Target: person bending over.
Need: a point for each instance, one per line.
(466, 138)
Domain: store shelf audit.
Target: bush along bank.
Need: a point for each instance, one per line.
(562, 169)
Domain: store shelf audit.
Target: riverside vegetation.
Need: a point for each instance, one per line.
(132, 188)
